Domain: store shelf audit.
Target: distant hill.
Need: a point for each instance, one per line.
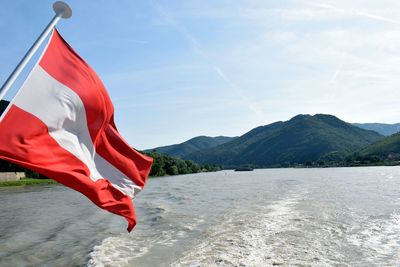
(3, 105)
(195, 144)
(302, 139)
(382, 128)
(386, 149)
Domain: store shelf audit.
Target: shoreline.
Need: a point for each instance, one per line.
(36, 181)
(27, 181)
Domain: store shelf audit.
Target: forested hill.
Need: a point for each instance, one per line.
(192, 145)
(301, 139)
(387, 149)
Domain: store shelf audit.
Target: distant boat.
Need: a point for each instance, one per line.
(244, 169)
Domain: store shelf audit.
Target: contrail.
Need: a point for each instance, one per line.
(358, 13)
(372, 16)
(336, 74)
(197, 47)
(238, 91)
(338, 71)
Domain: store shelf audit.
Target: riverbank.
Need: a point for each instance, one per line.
(27, 181)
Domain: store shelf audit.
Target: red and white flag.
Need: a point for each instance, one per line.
(61, 125)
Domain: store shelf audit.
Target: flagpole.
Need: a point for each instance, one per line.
(62, 10)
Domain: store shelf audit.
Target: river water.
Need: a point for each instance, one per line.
(272, 217)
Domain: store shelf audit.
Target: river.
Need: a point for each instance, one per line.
(271, 217)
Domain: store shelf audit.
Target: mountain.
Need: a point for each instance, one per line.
(382, 128)
(386, 149)
(192, 145)
(302, 139)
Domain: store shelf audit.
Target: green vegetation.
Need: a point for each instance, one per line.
(162, 165)
(383, 152)
(302, 141)
(385, 148)
(167, 165)
(192, 145)
(27, 181)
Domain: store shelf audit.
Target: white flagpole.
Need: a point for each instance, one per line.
(62, 10)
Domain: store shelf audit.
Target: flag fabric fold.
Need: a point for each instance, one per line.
(61, 124)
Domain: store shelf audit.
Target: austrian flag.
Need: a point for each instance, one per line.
(61, 124)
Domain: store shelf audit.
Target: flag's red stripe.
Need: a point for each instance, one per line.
(25, 140)
(65, 65)
(112, 147)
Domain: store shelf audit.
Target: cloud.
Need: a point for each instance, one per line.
(341, 68)
(198, 48)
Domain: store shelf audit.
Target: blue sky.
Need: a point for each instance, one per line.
(179, 69)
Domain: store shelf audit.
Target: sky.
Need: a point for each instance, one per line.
(179, 69)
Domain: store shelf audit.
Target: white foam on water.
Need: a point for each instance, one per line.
(277, 234)
(122, 250)
(379, 240)
(243, 238)
(116, 251)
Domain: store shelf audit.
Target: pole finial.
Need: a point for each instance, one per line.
(64, 8)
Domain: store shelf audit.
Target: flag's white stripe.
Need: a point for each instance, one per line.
(65, 116)
(116, 177)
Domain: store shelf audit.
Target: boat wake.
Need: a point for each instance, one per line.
(378, 238)
(247, 238)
